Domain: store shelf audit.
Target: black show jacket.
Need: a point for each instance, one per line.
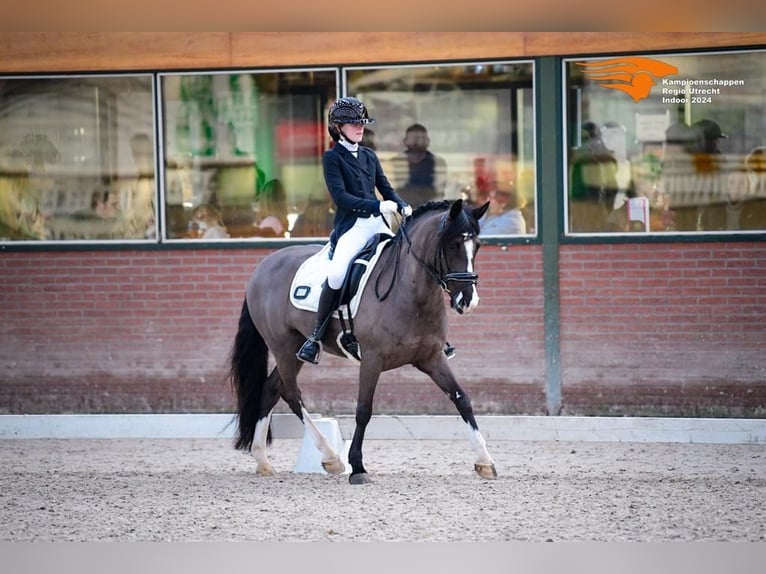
(351, 182)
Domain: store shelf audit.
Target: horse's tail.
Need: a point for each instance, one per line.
(248, 373)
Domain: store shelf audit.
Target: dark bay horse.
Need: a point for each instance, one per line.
(401, 320)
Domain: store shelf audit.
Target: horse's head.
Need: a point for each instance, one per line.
(458, 245)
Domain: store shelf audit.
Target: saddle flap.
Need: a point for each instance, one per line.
(360, 264)
(307, 283)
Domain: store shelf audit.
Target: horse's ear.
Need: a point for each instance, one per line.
(456, 208)
(478, 212)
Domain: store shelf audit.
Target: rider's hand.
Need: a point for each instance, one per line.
(388, 206)
(405, 210)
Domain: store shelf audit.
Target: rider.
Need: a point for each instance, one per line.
(352, 172)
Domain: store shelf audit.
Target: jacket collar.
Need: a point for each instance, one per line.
(349, 158)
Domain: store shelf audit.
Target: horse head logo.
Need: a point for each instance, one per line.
(633, 75)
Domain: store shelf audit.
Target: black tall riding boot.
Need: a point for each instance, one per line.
(328, 302)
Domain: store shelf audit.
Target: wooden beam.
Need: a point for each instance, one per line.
(119, 51)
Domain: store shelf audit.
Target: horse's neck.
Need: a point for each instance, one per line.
(423, 247)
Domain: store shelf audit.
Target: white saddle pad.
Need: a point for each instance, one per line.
(307, 283)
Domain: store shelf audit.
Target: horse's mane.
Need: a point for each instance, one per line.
(430, 206)
(464, 223)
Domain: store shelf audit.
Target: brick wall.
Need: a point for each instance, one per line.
(118, 330)
(664, 329)
(676, 329)
(150, 331)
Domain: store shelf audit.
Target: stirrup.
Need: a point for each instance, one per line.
(310, 351)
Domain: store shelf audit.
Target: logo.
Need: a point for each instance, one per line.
(633, 75)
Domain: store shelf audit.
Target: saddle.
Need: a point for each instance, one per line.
(363, 262)
(307, 286)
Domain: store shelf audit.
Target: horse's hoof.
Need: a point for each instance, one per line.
(360, 478)
(487, 471)
(265, 470)
(334, 466)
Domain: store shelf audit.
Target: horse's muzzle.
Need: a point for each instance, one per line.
(465, 305)
(466, 299)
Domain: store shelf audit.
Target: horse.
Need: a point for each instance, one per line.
(401, 319)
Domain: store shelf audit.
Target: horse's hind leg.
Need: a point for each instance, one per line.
(441, 374)
(331, 461)
(261, 437)
(292, 396)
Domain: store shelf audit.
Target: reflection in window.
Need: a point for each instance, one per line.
(451, 131)
(242, 154)
(667, 144)
(76, 158)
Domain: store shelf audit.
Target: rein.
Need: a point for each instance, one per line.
(440, 277)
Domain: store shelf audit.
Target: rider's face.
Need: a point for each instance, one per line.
(352, 132)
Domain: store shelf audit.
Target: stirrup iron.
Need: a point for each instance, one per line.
(310, 351)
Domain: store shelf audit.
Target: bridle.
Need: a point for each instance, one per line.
(439, 272)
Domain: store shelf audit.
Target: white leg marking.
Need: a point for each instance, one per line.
(319, 439)
(259, 445)
(479, 446)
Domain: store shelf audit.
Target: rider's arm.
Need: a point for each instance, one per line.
(336, 184)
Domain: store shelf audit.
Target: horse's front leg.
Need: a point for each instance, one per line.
(441, 374)
(369, 373)
(292, 396)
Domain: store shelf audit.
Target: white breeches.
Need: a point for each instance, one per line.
(350, 243)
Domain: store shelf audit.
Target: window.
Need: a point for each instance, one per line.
(77, 158)
(666, 144)
(239, 153)
(242, 154)
(457, 130)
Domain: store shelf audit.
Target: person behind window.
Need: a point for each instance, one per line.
(420, 175)
(712, 177)
(504, 216)
(102, 219)
(206, 223)
(352, 172)
(233, 188)
(676, 185)
(105, 204)
(698, 189)
(271, 204)
(593, 182)
(316, 219)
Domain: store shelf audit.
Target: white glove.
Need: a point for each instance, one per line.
(388, 206)
(406, 210)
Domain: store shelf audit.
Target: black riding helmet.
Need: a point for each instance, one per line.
(346, 111)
